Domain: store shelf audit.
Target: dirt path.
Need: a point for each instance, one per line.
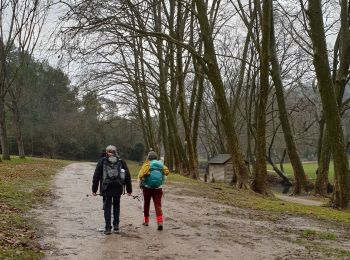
(299, 200)
(194, 227)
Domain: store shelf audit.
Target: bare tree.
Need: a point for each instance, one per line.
(299, 174)
(19, 29)
(259, 184)
(328, 94)
(213, 73)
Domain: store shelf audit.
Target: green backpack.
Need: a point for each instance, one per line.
(156, 177)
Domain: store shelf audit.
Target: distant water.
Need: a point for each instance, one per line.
(279, 188)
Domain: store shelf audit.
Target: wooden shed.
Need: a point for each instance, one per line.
(220, 168)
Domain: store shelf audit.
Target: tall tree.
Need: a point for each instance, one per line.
(214, 75)
(328, 95)
(299, 174)
(21, 27)
(259, 183)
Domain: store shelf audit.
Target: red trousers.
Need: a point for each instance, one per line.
(156, 195)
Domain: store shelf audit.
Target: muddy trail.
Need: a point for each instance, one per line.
(194, 227)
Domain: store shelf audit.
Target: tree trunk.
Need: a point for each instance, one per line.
(214, 76)
(19, 140)
(323, 165)
(322, 127)
(180, 156)
(280, 173)
(259, 183)
(146, 108)
(18, 127)
(282, 159)
(192, 164)
(3, 133)
(168, 156)
(242, 69)
(329, 104)
(299, 174)
(136, 85)
(250, 115)
(197, 111)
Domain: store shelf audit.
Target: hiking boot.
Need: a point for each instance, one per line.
(116, 230)
(160, 226)
(145, 224)
(108, 231)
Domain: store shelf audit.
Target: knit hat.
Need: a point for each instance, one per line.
(152, 156)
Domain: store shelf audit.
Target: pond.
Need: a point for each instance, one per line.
(279, 188)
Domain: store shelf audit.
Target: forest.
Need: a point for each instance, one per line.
(265, 81)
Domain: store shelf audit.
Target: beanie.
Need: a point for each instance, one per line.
(152, 156)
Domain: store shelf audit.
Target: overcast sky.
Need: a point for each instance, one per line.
(45, 48)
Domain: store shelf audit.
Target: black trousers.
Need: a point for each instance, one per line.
(108, 201)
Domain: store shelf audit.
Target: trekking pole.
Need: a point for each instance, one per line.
(136, 197)
(141, 200)
(90, 195)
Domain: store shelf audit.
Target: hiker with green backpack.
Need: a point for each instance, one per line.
(113, 176)
(152, 176)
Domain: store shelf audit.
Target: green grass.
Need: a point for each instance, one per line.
(309, 168)
(17, 160)
(248, 199)
(342, 254)
(23, 183)
(134, 168)
(329, 251)
(313, 234)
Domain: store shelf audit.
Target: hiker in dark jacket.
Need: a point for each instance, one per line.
(112, 175)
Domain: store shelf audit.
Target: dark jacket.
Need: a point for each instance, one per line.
(111, 191)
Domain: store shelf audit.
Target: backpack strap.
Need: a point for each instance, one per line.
(104, 167)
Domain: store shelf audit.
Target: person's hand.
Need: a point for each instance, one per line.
(129, 194)
(94, 194)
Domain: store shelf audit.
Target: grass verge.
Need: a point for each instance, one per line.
(229, 195)
(23, 183)
(329, 251)
(309, 168)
